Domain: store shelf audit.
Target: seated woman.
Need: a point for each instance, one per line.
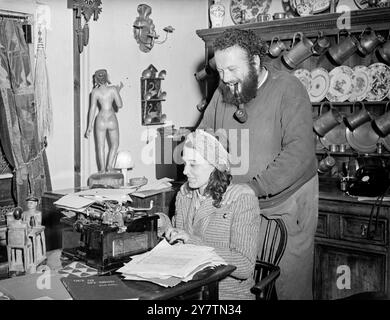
(201, 218)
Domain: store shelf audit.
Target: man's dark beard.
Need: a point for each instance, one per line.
(248, 89)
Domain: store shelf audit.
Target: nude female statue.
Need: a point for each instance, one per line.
(102, 97)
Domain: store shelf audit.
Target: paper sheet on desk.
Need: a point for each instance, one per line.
(154, 187)
(79, 201)
(166, 260)
(120, 195)
(74, 202)
(169, 281)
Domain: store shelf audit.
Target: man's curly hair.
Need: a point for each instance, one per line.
(246, 39)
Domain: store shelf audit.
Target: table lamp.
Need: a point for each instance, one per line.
(124, 162)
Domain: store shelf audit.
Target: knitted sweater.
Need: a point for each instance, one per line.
(275, 147)
(233, 232)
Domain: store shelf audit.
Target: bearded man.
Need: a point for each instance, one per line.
(281, 165)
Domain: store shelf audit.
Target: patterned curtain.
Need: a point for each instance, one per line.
(18, 115)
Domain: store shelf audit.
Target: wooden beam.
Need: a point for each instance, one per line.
(76, 104)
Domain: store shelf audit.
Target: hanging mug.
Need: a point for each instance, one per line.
(369, 40)
(342, 50)
(326, 164)
(321, 44)
(327, 121)
(299, 51)
(381, 125)
(357, 119)
(384, 51)
(276, 47)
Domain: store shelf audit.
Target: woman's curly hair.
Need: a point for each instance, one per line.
(246, 39)
(218, 183)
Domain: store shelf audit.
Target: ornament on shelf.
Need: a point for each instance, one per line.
(217, 14)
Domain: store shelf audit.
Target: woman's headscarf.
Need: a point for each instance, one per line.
(211, 149)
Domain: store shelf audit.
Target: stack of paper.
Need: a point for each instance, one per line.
(153, 188)
(168, 265)
(80, 201)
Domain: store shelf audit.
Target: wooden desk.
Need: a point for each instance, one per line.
(203, 287)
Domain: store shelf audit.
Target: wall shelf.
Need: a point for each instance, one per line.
(349, 104)
(352, 153)
(153, 100)
(377, 18)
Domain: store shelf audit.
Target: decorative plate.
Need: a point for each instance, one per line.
(251, 8)
(304, 76)
(380, 81)
(340, 87)
(363, 138)
(319, 84)
(361, 83)
(318, 5)
(334, 136)
(363, 4)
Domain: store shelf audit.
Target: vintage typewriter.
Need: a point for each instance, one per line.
(107, 234)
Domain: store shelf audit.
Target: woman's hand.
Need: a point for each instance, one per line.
(119, 87)
(174, 235)
(232, 193)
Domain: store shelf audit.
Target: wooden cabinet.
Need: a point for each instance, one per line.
(351, 246)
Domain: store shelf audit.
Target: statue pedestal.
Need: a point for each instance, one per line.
(114, 179)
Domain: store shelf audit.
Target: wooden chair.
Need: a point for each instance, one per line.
(37, 237)
(19, 249)
(26, 248)
(273, 241)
